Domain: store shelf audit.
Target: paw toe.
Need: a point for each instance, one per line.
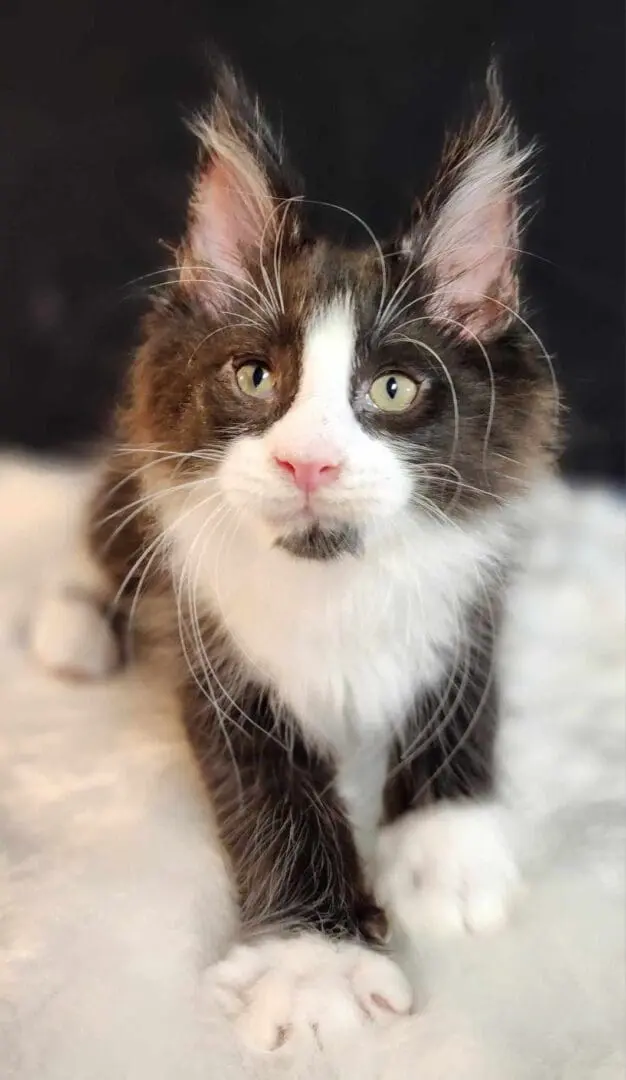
(266, 1020)
(381, 987)
(307, 987)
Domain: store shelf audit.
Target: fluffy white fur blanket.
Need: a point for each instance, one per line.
(113, 897)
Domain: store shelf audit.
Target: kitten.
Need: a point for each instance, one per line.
(318, 490)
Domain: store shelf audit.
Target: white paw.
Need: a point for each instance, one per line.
(280, 988)
(447, 869)
(71, 637)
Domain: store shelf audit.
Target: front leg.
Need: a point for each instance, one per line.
(444, 860)
(310, 925)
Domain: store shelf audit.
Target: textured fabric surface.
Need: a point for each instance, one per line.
(113, 897)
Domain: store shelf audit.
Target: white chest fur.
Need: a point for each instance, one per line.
(346, 643)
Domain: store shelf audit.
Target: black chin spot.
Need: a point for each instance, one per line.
(322, 544)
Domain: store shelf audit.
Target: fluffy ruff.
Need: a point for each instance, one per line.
(114, 899)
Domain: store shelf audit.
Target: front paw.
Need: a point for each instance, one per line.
(447, 869)
(279, 988)
(71, 636)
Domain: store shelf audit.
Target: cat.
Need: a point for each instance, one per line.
(314, 497)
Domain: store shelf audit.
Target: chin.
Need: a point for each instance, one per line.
(319, 542)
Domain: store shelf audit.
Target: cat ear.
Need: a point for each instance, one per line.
(239, 205)
(470, 230)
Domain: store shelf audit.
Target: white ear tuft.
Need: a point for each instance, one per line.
(471, 245)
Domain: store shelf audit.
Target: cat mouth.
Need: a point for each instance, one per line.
(322, 544)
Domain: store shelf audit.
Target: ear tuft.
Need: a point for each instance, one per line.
(471, 225)
(239, 203)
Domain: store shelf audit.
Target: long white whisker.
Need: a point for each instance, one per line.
(489, 680)
(278, 253)
(492, 387)
(238, 296)
(209, 670)
(105, 494)
(205, 455)
(211, 334)
(375, 241)
(538, 342)
(492, 381)
(149, 498)
(206, 688)
(163, 533)
(248, 284)
(391, 310)
(158, 547)
(450, 380)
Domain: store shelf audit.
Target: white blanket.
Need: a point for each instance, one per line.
(113, 897)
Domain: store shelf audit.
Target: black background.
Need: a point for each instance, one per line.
(95, 163)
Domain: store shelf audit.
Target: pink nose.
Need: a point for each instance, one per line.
(309, 475)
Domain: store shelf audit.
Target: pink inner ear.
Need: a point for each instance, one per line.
(471, 252)
(220, 229)
(229, 210)
(474, 269)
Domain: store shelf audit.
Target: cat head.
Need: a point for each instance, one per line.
(331, 391)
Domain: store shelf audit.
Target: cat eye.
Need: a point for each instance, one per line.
(393, 392)
(255, 379)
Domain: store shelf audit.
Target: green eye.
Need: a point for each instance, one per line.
(255, 379)
(393, 392)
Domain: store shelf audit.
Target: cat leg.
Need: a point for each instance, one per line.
(71, 632)
(310, 959)
(444, 859)
(75, 628)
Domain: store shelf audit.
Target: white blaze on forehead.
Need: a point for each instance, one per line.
(328, 355)
(320, 422)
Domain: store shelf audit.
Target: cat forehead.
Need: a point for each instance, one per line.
(325, 278)
(328, 346)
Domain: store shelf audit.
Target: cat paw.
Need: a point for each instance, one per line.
(283, 988)
(71, 637)
(447, 869)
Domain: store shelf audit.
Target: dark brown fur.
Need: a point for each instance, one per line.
(447, 749)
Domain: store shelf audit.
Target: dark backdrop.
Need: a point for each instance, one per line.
(95, 160)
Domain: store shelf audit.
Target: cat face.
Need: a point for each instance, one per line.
(331, 392)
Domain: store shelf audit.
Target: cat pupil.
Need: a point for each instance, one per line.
(258, 375)
(392, 387)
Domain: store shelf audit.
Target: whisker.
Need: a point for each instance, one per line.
(207, 337)
(544, 352)
(206, 454)
(492, 381)
(151, 497)
(391, 311)
(478, 711)
(105, 494)
(460, 484)
(159, 546)
(145, 554)
(424, 738)
(205, 687)
(238, 296)
(375, 241)
(455, 401)
(208, 669)
(278, 252)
